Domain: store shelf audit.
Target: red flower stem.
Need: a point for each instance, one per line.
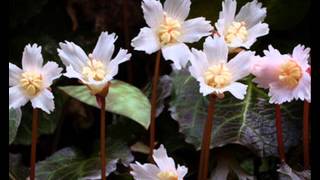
(206, 140)
(154, 104)
(279, 134)
(103, 136)
(35, 117)
(306, 156)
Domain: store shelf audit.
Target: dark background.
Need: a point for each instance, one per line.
(48, 22)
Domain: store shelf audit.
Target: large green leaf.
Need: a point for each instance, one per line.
(163, 92)
(17, 171)
(72, 163)
(14, 122)
(47, 122)
(122, 99)
(250, 122)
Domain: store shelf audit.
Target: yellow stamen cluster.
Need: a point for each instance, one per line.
(217, 76)
(169, 30)
(31, 82)
(290, 73)
(167, 175)
(236, 30)
(95, 69)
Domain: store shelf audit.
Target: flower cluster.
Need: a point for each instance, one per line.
(287, 76)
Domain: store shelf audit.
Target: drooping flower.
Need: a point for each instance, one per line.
(32, 82)
(96, 69)
(169, 30)
(215, 73)
(243, 29)
(165, 169)
(287, 76)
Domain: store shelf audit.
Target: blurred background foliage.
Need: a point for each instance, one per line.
(73, 127)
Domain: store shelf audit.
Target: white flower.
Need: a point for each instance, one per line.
(96, 69)
(165, 169)
(33, 80)
(286, 76)
(243, 29)
(168, 30)
(214, 73)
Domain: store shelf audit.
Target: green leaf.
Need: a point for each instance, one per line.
(14, 122)
(47, 122)
(72, 163)
(123, 99)
(17, 171)
(163, 92)
(249, 122)
(227, 164)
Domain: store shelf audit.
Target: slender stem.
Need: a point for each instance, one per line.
(206, 139)
(35, 117)
(306, 135)
(279, 134)
(103, 136)
(154, 104)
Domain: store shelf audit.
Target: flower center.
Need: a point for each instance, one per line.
(31, 82)
(169, 30)
(167, 175)
(217, 76)
(290, 74)
(236, 30)
(95, 70)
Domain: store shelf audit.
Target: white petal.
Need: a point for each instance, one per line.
(216, 50)
(152, 12)
(240, 65)
(179, 53)
(271, 52)
(147, 41)
(205, 89)
(220, 26)
(254, 32)
(301, 55)
(303, 89)
(251, 13)
(71, 73)
(120, 58)
(182, 171)
(44, 101)
(237, 89)
(199, 63)
(194, 29)
(144, 172)
(161, 158)
(16, 97)
(96, 86)
(32, 58)
(265, 71)
(14, 74)
(177, 9)
(73, 55)
(50, 72)
(104, 47)
(228, 12)
(279, 94)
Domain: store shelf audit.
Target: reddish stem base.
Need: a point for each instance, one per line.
(154, 105)
(279, 134)
(306, 156)
(206, 139)
(35, 117)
